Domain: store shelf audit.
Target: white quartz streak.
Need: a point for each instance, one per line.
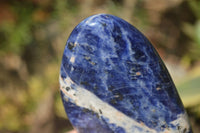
(86, 99)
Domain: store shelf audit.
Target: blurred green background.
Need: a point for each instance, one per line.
(32, 39)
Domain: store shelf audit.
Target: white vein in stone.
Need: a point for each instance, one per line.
(86, 99)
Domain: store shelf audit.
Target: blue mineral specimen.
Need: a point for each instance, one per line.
(112, 80)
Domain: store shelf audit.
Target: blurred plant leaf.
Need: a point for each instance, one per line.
(198, 32)
(195, 4)
(189, 29)
(189, 88)
(193, 32)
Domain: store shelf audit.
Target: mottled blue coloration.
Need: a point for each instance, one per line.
(115, 62)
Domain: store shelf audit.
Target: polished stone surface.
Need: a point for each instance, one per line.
(113, 80)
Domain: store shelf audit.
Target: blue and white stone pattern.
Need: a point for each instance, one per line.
(113, 81)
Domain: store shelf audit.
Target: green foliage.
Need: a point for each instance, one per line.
(189, 88)
(193, 30)
(17, 34)
(16, 37)
(195, 4)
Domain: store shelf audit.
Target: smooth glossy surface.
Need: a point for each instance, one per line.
(113, 80)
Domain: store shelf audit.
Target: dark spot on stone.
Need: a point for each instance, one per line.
(100, 111)
(97, 115)
(154, 123)
(72, 88)
(89, 49)
(70, 45)
(179, 128)
(86, 110)
(90, 111)
(67, 88)
(84, 83)
(103, 24)
(96, 87)
(120, 97)
(158, 87)
(113, 101)
(93, 113)
(140, 55)
(135, 108)
(184, 131)
(110, 88)
(162, 127)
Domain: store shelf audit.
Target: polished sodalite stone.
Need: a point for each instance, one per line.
(112, 80)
